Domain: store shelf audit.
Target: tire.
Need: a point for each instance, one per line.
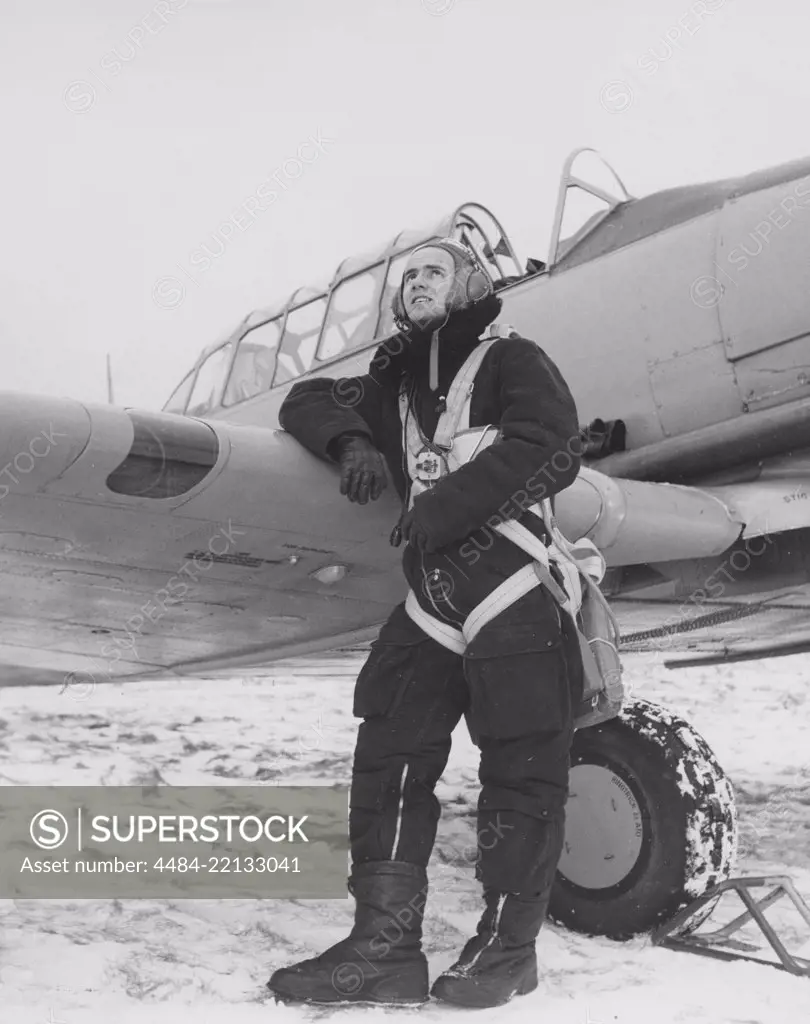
(651, 824)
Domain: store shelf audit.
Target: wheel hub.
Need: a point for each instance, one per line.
(604, 828)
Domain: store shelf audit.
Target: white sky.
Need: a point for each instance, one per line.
(429, 103)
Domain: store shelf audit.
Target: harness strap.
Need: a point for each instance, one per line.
(457, 411)
(583, 552)
(511, 590)
(524, 538)
(458, 398)
(572, 563)
(441, 632)
(502, 597)
(575, 561)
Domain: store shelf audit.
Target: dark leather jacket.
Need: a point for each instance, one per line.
(518, 387)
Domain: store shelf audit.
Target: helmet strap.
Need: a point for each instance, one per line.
(434, 361)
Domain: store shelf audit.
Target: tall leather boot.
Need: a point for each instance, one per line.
(381, 961)
(500, 961)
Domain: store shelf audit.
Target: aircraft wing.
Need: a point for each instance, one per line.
(137, 544)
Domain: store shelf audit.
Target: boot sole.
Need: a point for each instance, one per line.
(409, 985)
(344, 999)
(473, 997)
(346, 1003)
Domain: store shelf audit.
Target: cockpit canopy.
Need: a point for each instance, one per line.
(318, 325)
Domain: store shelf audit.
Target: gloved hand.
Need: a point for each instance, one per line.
(414, 532)
(362, 469)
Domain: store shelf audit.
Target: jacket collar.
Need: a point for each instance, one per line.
(409, 354)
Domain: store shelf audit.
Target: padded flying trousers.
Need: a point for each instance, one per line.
(517, 684)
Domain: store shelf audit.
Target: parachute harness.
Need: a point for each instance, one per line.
(581, 565)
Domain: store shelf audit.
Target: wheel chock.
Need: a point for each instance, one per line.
(720, 942)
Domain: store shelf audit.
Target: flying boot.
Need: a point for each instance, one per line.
(500, 960)
(381, 961)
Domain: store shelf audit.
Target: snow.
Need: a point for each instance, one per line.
(182, 961)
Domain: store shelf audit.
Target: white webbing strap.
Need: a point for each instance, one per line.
(458, 398)
(501, 598)
(441, 632)
(495, 332)
(457, 408)
(573, 560)
(524, 538)
(456, 416)
(583, 552)
(504, 596)
(518, 585)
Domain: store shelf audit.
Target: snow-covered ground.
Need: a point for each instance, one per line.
(206, 961)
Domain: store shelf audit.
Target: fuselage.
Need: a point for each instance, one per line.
(680, 310)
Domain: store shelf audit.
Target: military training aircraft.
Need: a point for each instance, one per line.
(202, 539)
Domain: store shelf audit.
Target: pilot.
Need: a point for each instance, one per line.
(516, 683)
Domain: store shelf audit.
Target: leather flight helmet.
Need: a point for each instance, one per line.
(471, 283)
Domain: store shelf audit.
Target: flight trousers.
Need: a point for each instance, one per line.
(517, 685)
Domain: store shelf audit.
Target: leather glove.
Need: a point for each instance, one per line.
(413, 532)
(362, 469)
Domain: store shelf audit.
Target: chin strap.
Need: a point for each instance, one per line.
(434, 361)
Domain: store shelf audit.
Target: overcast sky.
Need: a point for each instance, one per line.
(133, 129)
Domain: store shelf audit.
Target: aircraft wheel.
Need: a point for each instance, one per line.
(651, 824)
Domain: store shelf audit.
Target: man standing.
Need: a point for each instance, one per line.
(517, 682)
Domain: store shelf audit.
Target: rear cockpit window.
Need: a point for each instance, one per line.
(301, 332)
(252, 370)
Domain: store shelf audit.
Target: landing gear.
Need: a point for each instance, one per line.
(651, 824)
